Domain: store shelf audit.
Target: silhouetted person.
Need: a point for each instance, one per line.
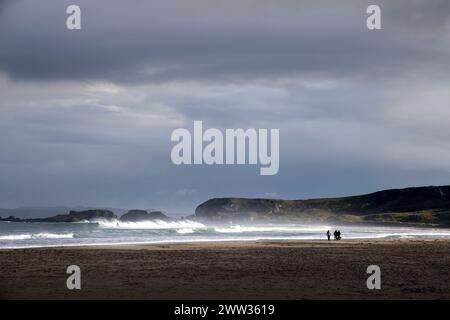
(328, 235)
(335, 234)
(339, 234)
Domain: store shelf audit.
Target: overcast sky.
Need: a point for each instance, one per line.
(86, 116)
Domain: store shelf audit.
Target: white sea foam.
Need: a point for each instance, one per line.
(43, 235)
(270, 228)
(185, 230)
(16, 237)
(154, 224)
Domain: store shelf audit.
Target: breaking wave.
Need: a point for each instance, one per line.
(155, 224)
(30, 236)
(269, 228)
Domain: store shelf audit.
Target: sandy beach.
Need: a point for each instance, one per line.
(410, 269)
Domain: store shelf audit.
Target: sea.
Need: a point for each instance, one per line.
(91, 233)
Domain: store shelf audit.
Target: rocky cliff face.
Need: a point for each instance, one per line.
(427, 205)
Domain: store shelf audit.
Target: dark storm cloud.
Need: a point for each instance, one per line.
(143, 41)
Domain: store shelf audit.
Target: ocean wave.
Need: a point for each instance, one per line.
(185, 231)
(43, 235)
(243, 229)
(154, 224)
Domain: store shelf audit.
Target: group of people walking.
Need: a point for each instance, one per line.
(336, 233)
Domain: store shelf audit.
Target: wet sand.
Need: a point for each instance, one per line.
(410, 269)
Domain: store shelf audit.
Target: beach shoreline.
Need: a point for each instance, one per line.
(265, 269)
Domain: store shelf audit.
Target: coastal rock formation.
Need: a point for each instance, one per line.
(73, 216)
(420, 205)
(142, 215)
(11, 219)
(87, 215)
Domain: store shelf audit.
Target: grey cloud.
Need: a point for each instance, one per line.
(230, 41)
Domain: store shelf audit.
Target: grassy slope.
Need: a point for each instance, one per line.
(423, 205)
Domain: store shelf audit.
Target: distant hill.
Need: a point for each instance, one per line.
(95, 214)
(43, 212)
(419, 205)
(73, 216)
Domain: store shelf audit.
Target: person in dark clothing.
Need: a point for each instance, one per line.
(339, 234)
(335, 234)
(328, 235)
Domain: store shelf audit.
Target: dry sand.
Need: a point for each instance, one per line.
(410, 269)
